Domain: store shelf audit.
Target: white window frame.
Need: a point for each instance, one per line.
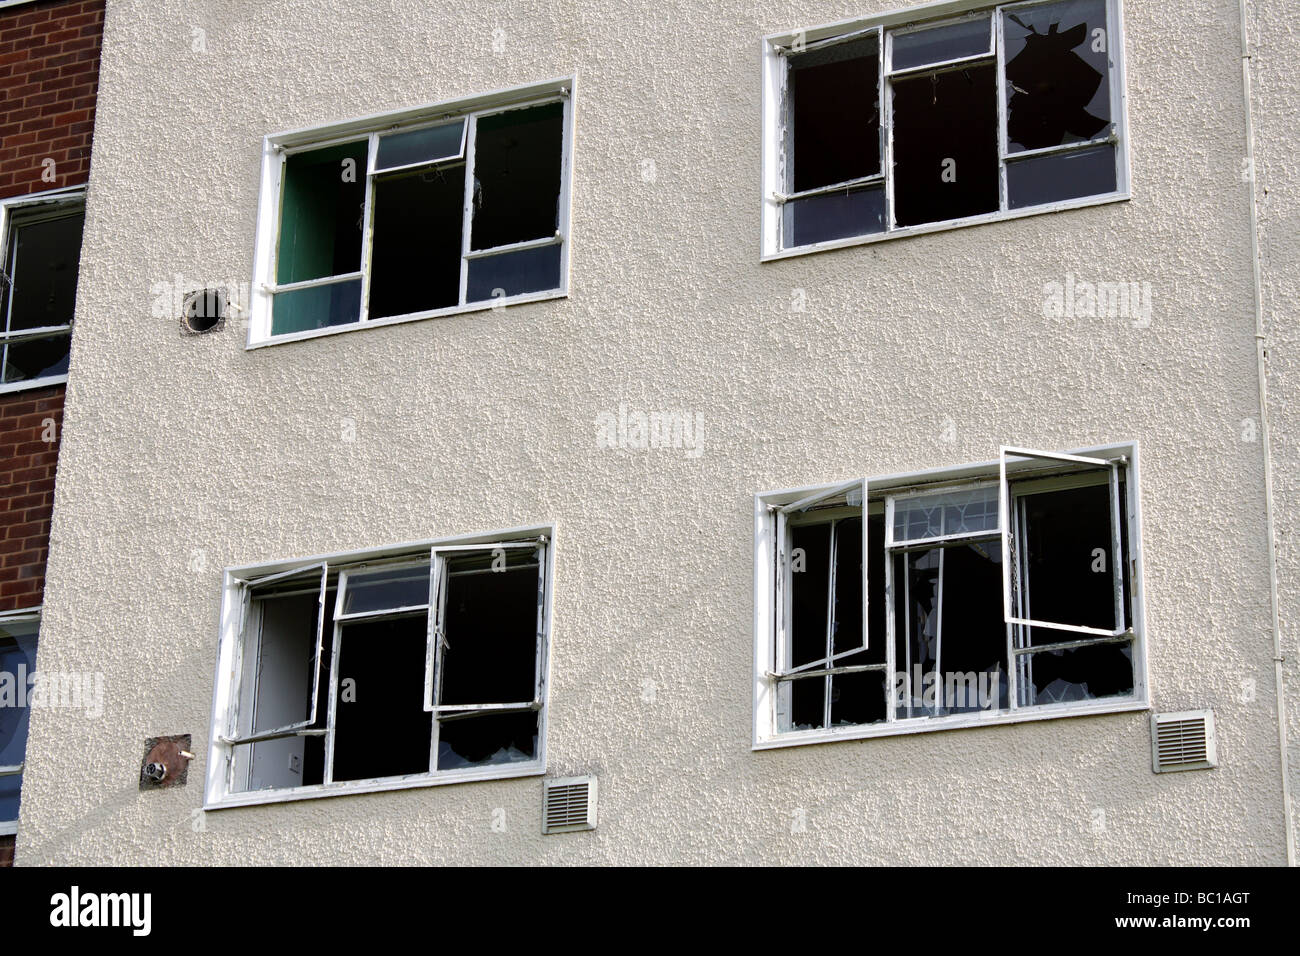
(17, 207)
(278, 146)
(25, 616)
(236, 582)
(768, 599)
(773, 186)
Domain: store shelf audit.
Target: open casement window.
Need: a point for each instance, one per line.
(1006, 588)
(18, 633)
(416, 218)
(908, 124)
(485, 670)
(1065, 585)
(38, 287)
(368, 673)
(821, 647)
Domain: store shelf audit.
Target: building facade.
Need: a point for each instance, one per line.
(788, 434)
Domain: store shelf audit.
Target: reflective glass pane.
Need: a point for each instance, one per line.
(513, 273)
(837, 215)
(1061, 176)
(17, 665)
(37, 358)
(387, 589)
(317, 307)
(1057, 74)
(936, 44)
(420, 146)
(953, 512)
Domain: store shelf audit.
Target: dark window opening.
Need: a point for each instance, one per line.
(490, 630)
(415, 264)
(38, 289)
(381, 727)
(835, 114)
(517, 165)
(945, 145)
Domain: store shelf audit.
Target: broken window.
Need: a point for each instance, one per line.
(901, 125)
(38, 287)
(417, 218)
(18, 633)
(1005, 591)
(385, 671)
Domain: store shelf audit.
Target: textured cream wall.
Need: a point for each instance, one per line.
(181, 445)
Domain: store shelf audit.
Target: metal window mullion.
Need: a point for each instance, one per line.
(467, 216)
(887, 163)
(866, 578)
(1117, 558)
(522, 246)
(830, 622)
(339, 279)
(1029, 651)
(368, 227)
(907, 629)
(938, 635)
(942, 66)
(1109, 140)
(539, 659)
(11, 770)
(846, 186)
(999, 48)
(331, 719)
(891, 611)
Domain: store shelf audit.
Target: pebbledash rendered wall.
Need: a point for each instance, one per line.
(184, 455)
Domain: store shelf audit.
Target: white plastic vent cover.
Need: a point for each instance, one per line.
(1183, 741)
(568, 803)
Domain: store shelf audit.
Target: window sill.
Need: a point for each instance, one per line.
(498, 304)
(922, 725)
(532, 768)
(928, 228)
(10, 387)
(9, 828)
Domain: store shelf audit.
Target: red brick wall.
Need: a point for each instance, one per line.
(49, 73)
(27, 464)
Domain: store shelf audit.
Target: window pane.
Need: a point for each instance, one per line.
(847, 631)
(37, 358)
(487, 739)
(1082, 673)
(513, 273)
(415, 255)
(950, 637)
(835, 121)
(838, 215)
(1062, 176)
(809, 578)
(420, 146)
(18, 661)
(517, 157)
(381, 727)
(955, 512)
(42, 260)
(1068, 568)
(318, 307)
(490, 629)
(968, 38)
(945, 145)
(321, 213)
(1058, 74)
(282, 651)
(387, 589)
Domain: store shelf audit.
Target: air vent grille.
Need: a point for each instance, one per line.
(568, 804)
(1183, 741)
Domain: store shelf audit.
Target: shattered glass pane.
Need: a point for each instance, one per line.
(513, 273)
(949, 634)
(809, 577)
(1061, 176)
(837, 215)
(946, 145)
(1057, 74)
(807, 703)
(487, 739)
(490, 629)
(953, 512)
(415, 252)
(835, 114)
(37, 358)
(1082, 673)
(316, 307)
(420, 146)
(517, 157)
(381, 726)
(387, 589)
(937, 44)
(857, 698)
